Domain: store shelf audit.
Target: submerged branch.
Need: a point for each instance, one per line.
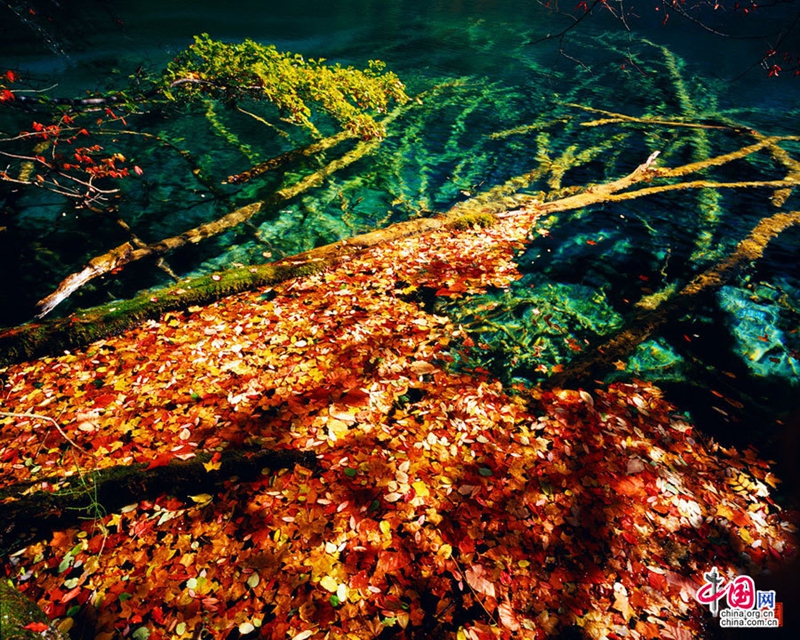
(125, 253)
(620, 118)
(643, 325)
(289, 156)
(504, 200)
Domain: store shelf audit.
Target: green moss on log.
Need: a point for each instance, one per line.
(51, 337)
(474, 219)
(29, 515)
(16, 612)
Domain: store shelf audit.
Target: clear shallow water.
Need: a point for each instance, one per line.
(494, 106)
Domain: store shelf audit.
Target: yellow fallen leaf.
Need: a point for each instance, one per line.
(212, 466)
(723, 511)
(201, 498)
(421, 488)
(329, 584)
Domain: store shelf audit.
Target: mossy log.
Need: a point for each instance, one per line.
(18, 612)
(125, 253)
(52, 337)
(28, 516)
(644, 324)
(46, 338)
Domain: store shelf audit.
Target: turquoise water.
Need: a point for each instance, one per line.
(493, 107)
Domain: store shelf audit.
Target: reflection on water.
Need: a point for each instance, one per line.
(493, 107)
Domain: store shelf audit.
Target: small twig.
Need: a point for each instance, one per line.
(38, 416)
(475, 595)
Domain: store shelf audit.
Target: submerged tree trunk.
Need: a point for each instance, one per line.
(644, 324)
(38, 339)
(124, 254)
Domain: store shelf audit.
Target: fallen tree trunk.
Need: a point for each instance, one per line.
(643, 325)
(22, 619)
(124, 254)
(28, 517)
(51, 337)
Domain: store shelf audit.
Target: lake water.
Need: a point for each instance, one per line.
(495, 104)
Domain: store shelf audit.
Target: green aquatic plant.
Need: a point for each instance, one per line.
(250, 71)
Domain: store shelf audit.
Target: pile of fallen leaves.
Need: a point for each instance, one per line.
(441, 504)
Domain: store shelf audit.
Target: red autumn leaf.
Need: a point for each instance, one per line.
(661, 507)
(631, 486)
(36, 627)
(69, 595)
(161, 460)
(657, 580)
(104, 400)
(507, 616)
(629, 537)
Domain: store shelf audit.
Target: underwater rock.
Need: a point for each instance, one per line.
(762, 331)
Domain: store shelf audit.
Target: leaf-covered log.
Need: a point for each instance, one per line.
(28, 515)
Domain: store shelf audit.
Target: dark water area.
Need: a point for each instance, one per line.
(499, 98)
